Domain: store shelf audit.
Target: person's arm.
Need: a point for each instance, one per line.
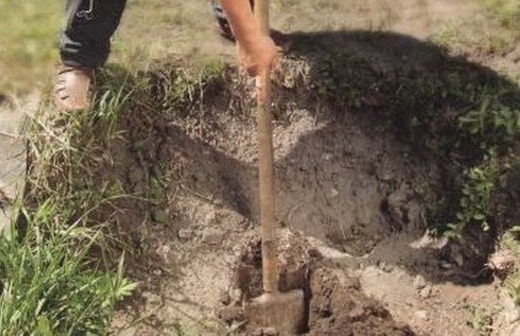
(258, 51)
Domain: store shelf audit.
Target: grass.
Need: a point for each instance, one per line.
(62, 268)
(48, 286)
(498, 32)
(64, 273)
(28, 39)
(507, 11)
(481, 320)
(60, 272)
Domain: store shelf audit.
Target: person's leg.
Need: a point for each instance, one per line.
(85, 42)
(224, 29)
(84, 46)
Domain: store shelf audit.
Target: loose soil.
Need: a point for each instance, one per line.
(350, 194)
(348, 197)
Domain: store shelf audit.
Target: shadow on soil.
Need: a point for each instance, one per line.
(444, 112)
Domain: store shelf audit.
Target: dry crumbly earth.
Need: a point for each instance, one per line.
(347, 190)
(331, 182)
(346, 187)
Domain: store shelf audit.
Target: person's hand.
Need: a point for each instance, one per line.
(259, 56)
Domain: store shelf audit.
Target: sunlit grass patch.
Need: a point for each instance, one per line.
(508, 12)
(28, 40)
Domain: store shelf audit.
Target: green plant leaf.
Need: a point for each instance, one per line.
(43, 326)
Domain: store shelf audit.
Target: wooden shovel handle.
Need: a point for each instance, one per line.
(266, 179)
(261, 10)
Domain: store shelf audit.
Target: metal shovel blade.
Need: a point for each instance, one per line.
(284, 311)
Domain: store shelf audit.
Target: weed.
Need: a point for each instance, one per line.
(481, 320)
(494, 122)
(476, 197)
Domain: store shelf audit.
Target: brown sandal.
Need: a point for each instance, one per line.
(72, 88)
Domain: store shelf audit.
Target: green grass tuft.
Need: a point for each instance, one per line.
(60, 270)
(48, 286)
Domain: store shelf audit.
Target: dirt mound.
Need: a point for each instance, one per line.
(339, 307)
(335, 303)
(363, 168)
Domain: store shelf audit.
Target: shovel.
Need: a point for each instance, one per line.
(282, 311)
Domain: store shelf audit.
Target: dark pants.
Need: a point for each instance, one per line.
(85, 42)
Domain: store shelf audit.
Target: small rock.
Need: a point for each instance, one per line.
(327, 157)
(235, 295)
(256, 332)
(419, 282)
(163, 251)
(231, 313)
(270, 332)
(459, 259)
(230, 219)
(385, 176)
(333, 193)
(422, 315)
(185, 234)
(151, 298)
(213, 237)
(426, 292)
(210, 219)
(160, 216)
(356, 314)
(446, 265)
(385, 267)
(315, 253)
(224, 297)
(456, 254)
